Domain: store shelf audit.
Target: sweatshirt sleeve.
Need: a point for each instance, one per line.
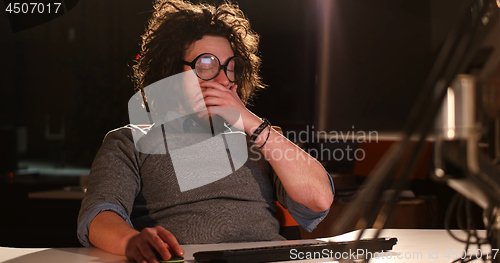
(114, 181)
(304, 216)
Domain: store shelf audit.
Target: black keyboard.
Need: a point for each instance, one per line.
(325, 250)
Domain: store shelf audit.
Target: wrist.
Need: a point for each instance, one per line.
(128, 241)
(257, 132)
(251, 123)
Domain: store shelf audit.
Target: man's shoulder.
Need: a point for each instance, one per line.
(128, 131)
(126, 134)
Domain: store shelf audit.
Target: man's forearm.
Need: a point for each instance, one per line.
(109, 232)
(303, 177)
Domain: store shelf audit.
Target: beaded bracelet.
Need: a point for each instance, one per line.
(259, 129)
(269, 133)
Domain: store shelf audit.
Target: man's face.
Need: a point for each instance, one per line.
(218, 46)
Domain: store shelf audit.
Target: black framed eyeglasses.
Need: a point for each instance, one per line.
(207, 66)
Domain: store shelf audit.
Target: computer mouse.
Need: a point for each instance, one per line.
(173, 259)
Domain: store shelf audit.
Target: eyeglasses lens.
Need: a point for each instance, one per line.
(207, 67)
(235, 69)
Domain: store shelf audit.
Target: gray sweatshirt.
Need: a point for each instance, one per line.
(143, 190)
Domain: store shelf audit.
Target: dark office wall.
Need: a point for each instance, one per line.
(288, 47)
(379, 56)
(71, 73)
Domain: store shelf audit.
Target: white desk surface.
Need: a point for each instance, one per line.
(415, 246)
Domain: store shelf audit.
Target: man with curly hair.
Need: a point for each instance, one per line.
(133, 204)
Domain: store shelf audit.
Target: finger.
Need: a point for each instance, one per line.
(197, 99)
(171, 241)
(209, 101)
(219, 87)
(214, 93)
(134, 254)
(213, 85)
(199, 96)
(203, 113)
(151, 237)
(200, 101)
(147, 252)
(234, 88)
(208, 111)
(140, 259)
(214, 101)
(161, 247)
(227, 94)
(222, 93)
(199, 106)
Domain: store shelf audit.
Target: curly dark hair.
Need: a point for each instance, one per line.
(176, 24)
